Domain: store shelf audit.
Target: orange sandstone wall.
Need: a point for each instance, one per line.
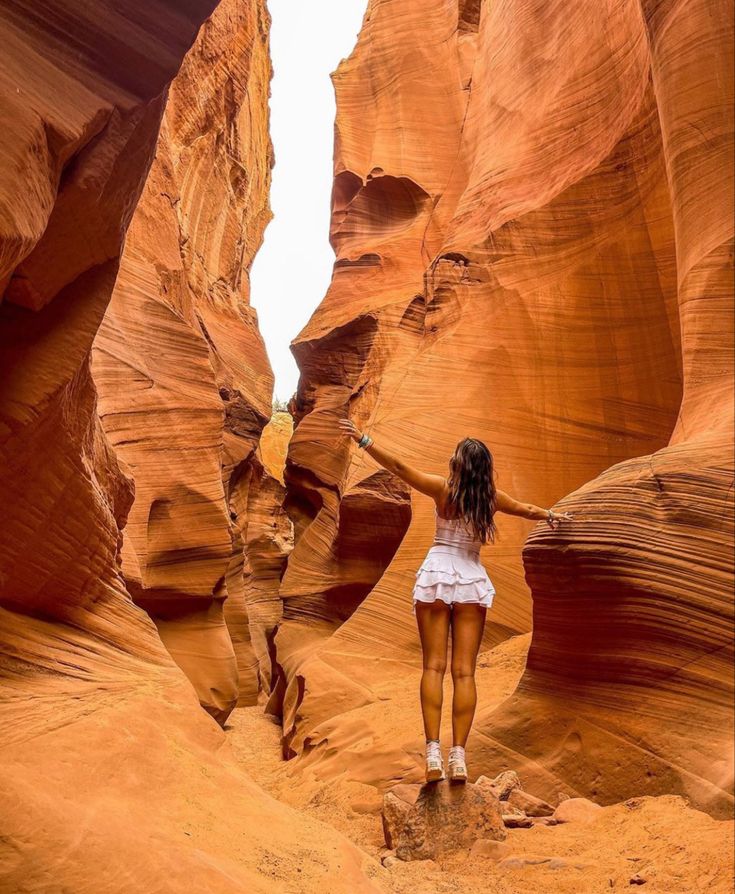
(632, 654)
(253, 608)
(516, 185)
(104, 748)
(183, 379)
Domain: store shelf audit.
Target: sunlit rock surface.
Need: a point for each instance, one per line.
(533, 247)
(184, 383)
(253, 608)
(114, 779)
(632, 654)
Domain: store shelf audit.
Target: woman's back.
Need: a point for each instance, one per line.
(455, 532)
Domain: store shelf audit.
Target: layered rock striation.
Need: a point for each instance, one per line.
(183, 379)
(633, 607)
(113, 777)
(515, 196)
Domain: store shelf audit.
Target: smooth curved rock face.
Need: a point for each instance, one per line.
(92, 708)
(81, 102)
(183, 379)
(253, 608)
(633, 606)
(514, 201)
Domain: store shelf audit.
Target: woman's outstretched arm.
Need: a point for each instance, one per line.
(507, 504)
(431, 485)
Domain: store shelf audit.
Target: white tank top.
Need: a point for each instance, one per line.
(453, 533)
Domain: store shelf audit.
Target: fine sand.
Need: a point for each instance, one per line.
(658, 844)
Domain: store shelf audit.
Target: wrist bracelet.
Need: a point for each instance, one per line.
(365, 441)
(549, 515)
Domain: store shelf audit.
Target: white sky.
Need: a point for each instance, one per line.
(291, 272)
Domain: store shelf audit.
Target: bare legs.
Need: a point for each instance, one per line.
(434, 622)
(468, 622)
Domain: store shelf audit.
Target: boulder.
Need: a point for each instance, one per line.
(394, 816)
(445, 819)
(576, 810)
(517, 821)
(407, 792)
(503, 784)
(529, 804)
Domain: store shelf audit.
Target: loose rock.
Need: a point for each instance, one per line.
(577, 810)
(407, 792)
(517, 821)
(529, 804)
(394, 815)
(503, 784)
(445, 819)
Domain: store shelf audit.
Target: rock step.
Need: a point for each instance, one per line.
(445, 818)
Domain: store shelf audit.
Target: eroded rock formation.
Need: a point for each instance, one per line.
(104, 747)
(253, 608)
(633, 609)
(183, 379)
(531, 217)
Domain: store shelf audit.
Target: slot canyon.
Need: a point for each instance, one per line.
(210, 665)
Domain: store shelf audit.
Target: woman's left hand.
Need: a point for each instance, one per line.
(348, 427)
(554, 519)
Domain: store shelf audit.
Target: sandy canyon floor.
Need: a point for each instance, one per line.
(656, 844)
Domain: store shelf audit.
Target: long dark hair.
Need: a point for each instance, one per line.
(472, 488)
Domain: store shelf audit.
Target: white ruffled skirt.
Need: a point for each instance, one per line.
(452, 575)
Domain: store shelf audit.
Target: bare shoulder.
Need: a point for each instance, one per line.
(442, 495)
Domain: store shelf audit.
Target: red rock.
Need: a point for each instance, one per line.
(556, 304)
(183, 380)
(651, 563)
(517, 821)
(407, 792)
(529, 804)
(444, 819)
(97, 719)
(394, 816)
(577, 810)
(502, 785)
(262, 542)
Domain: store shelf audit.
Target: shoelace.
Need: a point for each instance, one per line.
(456, 755)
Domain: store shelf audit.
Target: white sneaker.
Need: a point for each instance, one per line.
(456, 763)
(434, 763)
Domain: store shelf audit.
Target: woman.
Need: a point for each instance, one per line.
(453, 591)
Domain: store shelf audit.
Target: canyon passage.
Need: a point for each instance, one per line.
(210, 665)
